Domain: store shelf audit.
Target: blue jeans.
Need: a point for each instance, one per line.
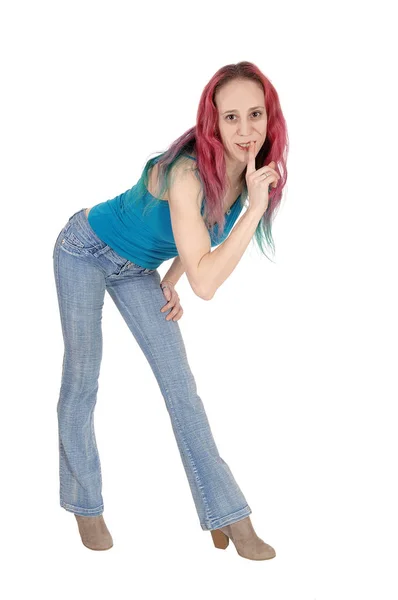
(84, 267)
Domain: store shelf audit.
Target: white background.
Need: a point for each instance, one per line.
(295, 361)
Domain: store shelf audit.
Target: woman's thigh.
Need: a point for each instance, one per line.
(139, 298)
(80, 290)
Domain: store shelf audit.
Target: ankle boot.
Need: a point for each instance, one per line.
(94, 532)
(247, 542)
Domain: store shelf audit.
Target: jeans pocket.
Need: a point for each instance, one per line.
(78, 241)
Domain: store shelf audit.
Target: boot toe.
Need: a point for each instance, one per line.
(264, 551)
(256, 550)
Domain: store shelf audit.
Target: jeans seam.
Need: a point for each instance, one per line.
(221, 521)
(77, 508)
(56, 267)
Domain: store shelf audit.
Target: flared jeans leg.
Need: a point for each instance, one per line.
(81, 290)
(217, 496)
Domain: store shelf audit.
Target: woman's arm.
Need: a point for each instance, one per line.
(175, 271)
(216, 266)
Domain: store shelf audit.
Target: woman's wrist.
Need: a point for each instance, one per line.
(167, 281)
(175, 272)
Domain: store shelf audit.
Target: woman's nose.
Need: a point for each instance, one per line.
(245, 129)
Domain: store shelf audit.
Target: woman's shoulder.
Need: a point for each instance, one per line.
(183, 167)
(186, 161)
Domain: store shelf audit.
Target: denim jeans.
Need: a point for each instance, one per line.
(84, 267)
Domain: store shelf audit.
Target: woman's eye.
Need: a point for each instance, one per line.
(253, 113)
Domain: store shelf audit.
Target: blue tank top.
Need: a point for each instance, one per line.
(146, 239)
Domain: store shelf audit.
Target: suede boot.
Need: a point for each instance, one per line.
(94, 532)
(247, 542)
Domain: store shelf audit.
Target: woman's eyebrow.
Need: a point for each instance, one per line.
(236, 110)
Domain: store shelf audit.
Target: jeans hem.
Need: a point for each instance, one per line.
(82, 512)
(227, 520)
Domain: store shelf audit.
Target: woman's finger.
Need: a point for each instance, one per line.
(170, 304)
(173, 312)
(173, 300)
(178, 315)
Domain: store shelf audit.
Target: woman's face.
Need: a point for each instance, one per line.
(241, 117)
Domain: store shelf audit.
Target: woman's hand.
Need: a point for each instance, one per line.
(173, 301)
(257, 184)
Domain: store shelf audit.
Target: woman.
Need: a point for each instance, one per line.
(117, 246)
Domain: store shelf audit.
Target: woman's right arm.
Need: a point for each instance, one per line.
(206, 270)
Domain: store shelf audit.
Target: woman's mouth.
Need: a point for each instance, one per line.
(244, 146)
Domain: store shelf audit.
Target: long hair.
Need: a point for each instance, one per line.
(204, 139)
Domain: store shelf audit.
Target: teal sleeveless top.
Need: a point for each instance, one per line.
(146, 239)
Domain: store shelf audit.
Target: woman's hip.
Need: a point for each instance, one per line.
(78, 238)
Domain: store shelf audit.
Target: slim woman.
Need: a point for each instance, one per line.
(186, 201)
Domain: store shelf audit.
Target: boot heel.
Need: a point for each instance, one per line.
(220, 540)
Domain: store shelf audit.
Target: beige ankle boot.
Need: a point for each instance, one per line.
(94, 532)
(247, 542)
